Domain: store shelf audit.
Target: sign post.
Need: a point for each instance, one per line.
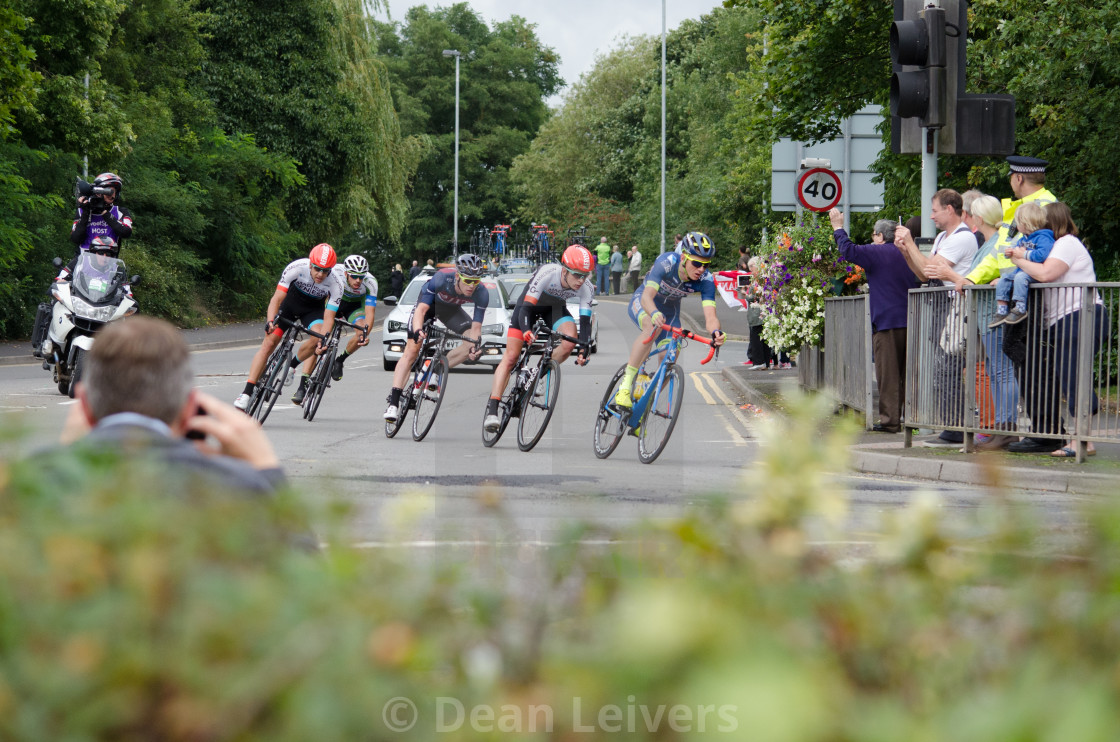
(819, 189)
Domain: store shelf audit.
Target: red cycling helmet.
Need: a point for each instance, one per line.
(578, 258)
(322, 255)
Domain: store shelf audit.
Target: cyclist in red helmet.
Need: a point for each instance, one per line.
(546, 296)
(310, 292)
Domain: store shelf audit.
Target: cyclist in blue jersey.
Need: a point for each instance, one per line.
(657, 302)
(444, 294)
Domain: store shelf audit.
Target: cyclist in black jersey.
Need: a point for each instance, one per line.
(444, 294)
(546, 296)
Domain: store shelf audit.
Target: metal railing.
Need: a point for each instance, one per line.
(1052, 375)
(844, 369)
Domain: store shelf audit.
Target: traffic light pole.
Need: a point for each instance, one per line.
(929, 181)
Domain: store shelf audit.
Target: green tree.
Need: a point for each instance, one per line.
(505, 76)
(301, 77)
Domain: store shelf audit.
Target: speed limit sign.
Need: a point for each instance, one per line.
(819, 189)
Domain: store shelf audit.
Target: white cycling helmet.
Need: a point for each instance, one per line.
(355, 264)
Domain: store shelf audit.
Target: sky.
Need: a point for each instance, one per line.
(579, 29)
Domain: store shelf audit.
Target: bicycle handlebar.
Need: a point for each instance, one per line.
(430, 328)
(351, 325)
(299, 327)
(688, 335)
(540, 328)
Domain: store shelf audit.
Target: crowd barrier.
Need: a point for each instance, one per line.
(843, 367)
(1052, 375)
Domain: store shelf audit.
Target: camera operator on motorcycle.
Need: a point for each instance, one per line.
(99, 217)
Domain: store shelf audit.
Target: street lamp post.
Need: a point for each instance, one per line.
(455, 232)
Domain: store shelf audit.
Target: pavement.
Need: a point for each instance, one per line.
(886, 454)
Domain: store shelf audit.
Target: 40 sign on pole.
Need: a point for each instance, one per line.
(819, 189)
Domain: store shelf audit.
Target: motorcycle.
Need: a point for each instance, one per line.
(96, 294)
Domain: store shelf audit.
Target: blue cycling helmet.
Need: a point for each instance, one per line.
(469, 265)
(698, 245)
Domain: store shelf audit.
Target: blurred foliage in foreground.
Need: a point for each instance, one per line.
(127, 615)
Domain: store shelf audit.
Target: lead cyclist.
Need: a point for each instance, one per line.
(657, 302)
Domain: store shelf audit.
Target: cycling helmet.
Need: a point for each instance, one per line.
(355, 264)
(469, 265)
(322, 255)
(109, 180)
(697, 245)
(578, 258)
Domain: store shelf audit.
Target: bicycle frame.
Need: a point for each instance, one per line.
(670, 350)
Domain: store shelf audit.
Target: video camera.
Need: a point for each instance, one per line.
(95, 194)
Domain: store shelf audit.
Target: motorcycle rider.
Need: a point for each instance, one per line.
(100, 223)
(100, 217)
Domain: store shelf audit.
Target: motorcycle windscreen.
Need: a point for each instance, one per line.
(97, 277)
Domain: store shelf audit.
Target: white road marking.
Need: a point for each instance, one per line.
(726, 404)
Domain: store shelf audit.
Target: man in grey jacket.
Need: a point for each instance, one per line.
(136, 401)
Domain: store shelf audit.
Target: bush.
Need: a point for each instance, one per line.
(127, 613)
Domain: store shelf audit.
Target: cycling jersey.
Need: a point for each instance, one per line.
(546, 296)
(440, 289)
(297, 276)
(113, 225)
(665, 276)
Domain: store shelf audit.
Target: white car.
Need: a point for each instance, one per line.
(494, 323)
(514, 286)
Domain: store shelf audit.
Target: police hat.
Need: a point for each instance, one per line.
(1020, 164)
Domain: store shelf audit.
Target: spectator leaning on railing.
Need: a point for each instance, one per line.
(889, 279)
(954, 248)
(985, 215)
(1069, 262)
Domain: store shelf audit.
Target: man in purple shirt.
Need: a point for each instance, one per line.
(889, 278)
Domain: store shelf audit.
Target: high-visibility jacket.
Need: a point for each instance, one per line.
(996, 264)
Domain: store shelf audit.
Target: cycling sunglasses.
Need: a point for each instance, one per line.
(578, 274)
(355, 275)
(469, 279)
(320, 269)
(698, 261)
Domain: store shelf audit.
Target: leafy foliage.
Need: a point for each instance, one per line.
(505, 75)
(134, 608)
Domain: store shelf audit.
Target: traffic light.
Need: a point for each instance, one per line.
(928, 85)
(920, 93)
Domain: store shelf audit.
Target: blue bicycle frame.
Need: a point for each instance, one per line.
(670, 347)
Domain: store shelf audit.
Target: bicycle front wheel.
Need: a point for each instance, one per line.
(433, 383)
(273, 384)
(538, 405)
(392, 427)
(317, 386)
(661, 417)
(609, 427)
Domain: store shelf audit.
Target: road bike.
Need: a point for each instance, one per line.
(271, 383)
(657, 399)
(320, 379)
(532, 391)
(427, 382)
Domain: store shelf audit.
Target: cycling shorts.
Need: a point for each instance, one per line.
(552, 310)
(453, 316)
(639, 316)
(351, 311)
(294, 307)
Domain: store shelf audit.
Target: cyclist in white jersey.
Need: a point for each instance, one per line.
(546, 296)
(307, 291)
(358, 305)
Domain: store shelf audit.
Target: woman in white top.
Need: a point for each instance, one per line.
(1069, 262)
